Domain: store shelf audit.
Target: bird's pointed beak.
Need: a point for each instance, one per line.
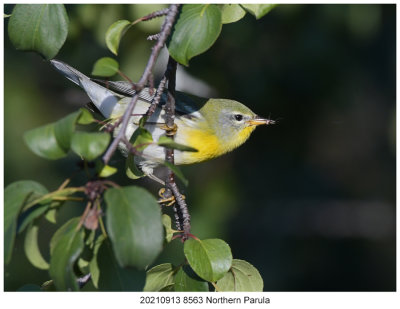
(256, 121)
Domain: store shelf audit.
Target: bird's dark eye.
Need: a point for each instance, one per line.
(239, 117)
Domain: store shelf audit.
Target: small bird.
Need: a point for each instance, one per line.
(212, 126)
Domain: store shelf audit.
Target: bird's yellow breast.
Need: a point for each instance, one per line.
(208, 144)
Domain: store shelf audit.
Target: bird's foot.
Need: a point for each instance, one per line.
(170, 131)
(167, 200)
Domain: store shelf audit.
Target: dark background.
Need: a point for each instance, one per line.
(310, 202)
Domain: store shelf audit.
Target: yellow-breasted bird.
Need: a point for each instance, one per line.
(212, 126)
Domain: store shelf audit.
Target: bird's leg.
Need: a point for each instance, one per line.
(167, 199)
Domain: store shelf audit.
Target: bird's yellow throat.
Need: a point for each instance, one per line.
(208, 144)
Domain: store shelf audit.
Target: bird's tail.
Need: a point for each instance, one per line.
(103, 98)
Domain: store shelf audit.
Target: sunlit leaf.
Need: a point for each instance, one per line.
(242, 277)
(42, 28)
(134, 225)
(141, 138)
(197, 28)
(210, 258)
(105, 67)
(159, 277)
(231, 13)
(114, 34)
(85, 117)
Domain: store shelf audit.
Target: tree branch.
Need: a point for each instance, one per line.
(165, 31)
(182, 217)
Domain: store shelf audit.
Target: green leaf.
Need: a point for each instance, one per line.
(51, 215)
(32, 250)
(169, 143)
(66, 250)
(42, 28)
(140, 138)
(93, 265)
(64, 129)
(42, 141)
(197, 28)
(52, 141)
(29, 215)
(85, 117)
(231, 13)
(242, 277)
(177, 172)
(134, 225)
(114, 34)
(105, 67)
(258, 10)
(112, 277)
(132, 171)
(186, 280)
(209, 258)
(159, 277)
(107, 171)
(90, 145)
(64, 229)
(16, 196)
(169, 231)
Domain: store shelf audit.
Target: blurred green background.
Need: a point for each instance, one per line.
(310, 202)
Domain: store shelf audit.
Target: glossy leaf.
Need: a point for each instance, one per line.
(197, 28)
(159, 277)
(105, 67)
(177, 172)
(112, 277)
(66, 250)
(52, 141)
(42, 28)
(134, 225)
(186, 280)
(210, 258)
(114, 34)
(90, 145)
(258, 10)
(32, 250)
(242, 277)
(170, 143)
(16, 196)
(231, 13)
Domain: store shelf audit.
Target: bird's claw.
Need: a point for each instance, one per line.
(169, 200)
(170, 131)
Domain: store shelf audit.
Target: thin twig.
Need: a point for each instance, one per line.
(182, 216)
(165, 31)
